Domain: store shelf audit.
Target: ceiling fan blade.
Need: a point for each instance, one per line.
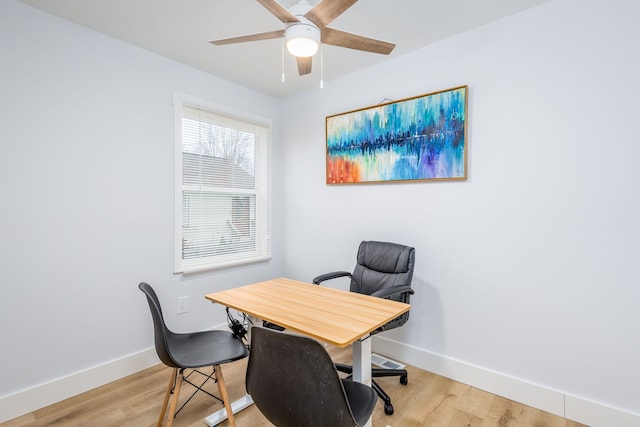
(354, 41)
(304, 65)
(279, 11)
(328, 10)
(249, 38)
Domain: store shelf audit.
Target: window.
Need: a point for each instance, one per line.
(221, 188)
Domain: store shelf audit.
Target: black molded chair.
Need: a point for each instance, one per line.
(383, 270)
(309, 392)
(192, 351)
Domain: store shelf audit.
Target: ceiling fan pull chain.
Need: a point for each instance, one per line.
(282, 60)
(321, 67)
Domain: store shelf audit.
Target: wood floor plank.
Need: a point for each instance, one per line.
(428, 400)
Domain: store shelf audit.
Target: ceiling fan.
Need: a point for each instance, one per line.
(306, 27)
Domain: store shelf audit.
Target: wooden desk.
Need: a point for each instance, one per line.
(330, 315)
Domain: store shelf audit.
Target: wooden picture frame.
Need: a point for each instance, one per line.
(423, 138)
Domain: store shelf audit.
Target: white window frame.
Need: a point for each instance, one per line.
(262, 129)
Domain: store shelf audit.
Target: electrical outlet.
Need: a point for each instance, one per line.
(183, 305)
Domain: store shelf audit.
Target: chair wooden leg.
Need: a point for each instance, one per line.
(222, 389)
(174, 402)
(172, 379)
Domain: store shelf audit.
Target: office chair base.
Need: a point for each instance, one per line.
(388, 407)
(402, 373)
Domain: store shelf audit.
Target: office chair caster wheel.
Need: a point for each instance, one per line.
(388, 408)
(404, 380)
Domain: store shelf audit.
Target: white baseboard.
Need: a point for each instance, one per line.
(575, 408)
(39, 396)
(599, 415)
(33, 398)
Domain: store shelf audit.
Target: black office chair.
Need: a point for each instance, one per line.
(309, 393)
(383, 270)
(192, 351)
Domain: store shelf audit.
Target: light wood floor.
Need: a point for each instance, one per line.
(428, 400)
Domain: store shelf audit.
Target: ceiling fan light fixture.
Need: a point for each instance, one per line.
(302, 39)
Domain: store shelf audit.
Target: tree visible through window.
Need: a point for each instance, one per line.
(222, 191)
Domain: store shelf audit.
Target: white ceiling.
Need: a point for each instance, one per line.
(181, 30)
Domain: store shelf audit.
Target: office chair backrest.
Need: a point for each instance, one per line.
(293, 382)
(382, 265)
(161, 332)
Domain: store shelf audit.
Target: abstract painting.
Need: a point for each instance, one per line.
(415, 139)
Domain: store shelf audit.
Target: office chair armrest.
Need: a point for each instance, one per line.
(328, 276)
(393, 290)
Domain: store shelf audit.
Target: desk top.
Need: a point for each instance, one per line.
(327, 314)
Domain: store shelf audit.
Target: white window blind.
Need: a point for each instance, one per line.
(221, 194)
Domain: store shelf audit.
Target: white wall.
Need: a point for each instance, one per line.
(529, 269)
(525, 273)
(86, 185)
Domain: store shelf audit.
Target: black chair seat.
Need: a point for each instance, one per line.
(362, 400)
(195, 350)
